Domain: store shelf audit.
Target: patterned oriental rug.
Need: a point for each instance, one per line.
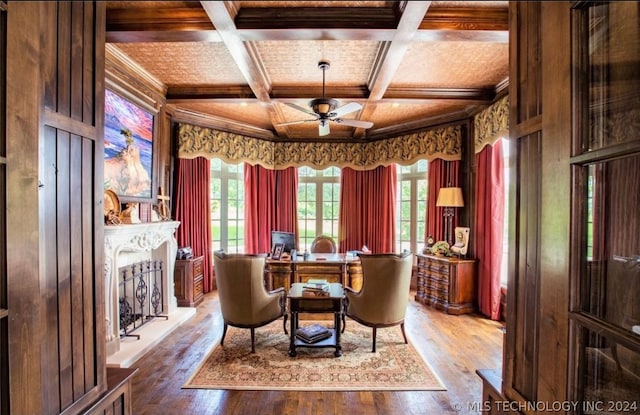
(394, 366)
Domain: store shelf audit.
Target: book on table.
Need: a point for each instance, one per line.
(316, 285)
(313, 333)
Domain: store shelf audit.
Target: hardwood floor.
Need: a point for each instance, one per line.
(454, 346)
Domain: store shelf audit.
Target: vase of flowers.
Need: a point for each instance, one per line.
(441, 248)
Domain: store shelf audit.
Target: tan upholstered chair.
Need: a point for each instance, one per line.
(244, 300)
(382, 301)
(323, 244)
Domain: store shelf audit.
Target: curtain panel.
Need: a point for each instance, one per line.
(192, 210)
(489, 227)
(367, 209)
(271, 203)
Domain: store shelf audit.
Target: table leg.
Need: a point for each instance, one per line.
(337, 317)
(292, 338)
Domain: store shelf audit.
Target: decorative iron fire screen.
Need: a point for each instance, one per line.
(140, 295)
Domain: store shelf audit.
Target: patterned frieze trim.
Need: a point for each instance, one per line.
(194, 141)
(405, 150)
(491, 124)
(445, 143)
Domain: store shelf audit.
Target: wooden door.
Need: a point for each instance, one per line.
(55, 272)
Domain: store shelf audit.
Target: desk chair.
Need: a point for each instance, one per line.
(383, 299)
(244, 301)
(323, 244)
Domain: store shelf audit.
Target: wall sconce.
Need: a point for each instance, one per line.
(449, 198)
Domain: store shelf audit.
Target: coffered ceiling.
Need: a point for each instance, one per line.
(239, 65)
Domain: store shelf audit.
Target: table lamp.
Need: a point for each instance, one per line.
(449, 198)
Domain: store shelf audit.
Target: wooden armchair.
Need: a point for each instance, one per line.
(383, 299)
(244, 300)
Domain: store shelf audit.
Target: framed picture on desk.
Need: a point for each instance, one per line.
(277, 251)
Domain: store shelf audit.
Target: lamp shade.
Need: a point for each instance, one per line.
(450, 197)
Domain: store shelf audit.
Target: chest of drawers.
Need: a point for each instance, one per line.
(188, 280)
(448, 284)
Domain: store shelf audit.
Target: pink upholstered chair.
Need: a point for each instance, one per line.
(244, 300)
(383, 299)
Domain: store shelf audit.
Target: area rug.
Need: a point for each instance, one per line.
(394, 366)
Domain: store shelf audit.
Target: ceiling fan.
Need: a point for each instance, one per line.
(326, 109)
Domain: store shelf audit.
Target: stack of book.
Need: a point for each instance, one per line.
(315, 288)
(313, 333)
(316, 285)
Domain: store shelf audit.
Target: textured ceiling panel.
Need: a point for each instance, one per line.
(248, 113)
(310, 130)
(453, 65)
(296, 62)
(390, 114)
(186, 63)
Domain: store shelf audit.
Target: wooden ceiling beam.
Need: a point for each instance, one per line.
(312, 23)
(458, 18)
(222, 15)
(458, 94)
(240, 93)
(391, 55)
(252, 71)
(292, 18)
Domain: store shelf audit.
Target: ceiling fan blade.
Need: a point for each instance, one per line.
(299, 108)
(323, 128)
(294, 122)
(346, 109)
(354, 123)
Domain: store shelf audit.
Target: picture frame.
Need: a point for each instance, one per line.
(277, 251)
(461, 243)
(129, 159)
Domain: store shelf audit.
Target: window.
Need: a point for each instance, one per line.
(227, 206)
(411, 206)
(318, 204)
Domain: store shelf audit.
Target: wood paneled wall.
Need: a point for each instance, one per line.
(55, 100)
(536, 348)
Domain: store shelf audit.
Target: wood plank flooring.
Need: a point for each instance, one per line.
(454, 346)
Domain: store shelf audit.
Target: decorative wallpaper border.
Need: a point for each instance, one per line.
(444, 143)
(491, 124)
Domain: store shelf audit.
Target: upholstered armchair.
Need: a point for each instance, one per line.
(244, 300)
(323, 244)
(383, 299)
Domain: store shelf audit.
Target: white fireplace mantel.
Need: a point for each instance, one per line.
(155, 238)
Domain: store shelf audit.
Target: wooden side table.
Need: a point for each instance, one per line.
(301, 303)
(188, 279)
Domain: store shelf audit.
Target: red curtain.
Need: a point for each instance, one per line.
(367, 209)
(489, 227)
(441, 173)
(271, 199)
(192, 209)
(259, 203)
(285, 216)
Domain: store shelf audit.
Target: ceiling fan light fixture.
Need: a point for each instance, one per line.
(323, 106)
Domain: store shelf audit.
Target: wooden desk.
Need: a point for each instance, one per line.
(332, 303)
(335, 268)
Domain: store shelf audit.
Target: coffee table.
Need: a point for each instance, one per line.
(301, 302)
